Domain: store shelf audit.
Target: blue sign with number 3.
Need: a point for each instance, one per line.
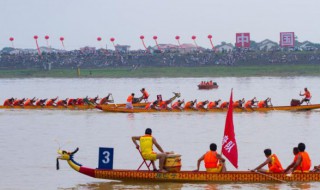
(105, 158)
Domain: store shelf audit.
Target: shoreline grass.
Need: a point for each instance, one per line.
(171, 72)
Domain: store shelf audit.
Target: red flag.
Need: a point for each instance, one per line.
(229, 144)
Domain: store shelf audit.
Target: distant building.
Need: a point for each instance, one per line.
(122, 48)
(308, 46)
(267, 45)
(88, 49)
(187, 48)
(165, 47)
(224, 47)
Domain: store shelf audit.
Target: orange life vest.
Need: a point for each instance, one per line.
(275, 165)
(188, 105)
(248, 104)
(17, 102)
(163, 105)
(145, 94)
(7, 103)
(211, 160)
(129, 99)
(70, 102)
(307, 94)
(236, 104)
(49, 102)
(176, 104)
(261, 104)
(305, 163)
(211, 105)
(224, 105)
(60, 103)
(148, 106)
(199, 105)
(28, 102)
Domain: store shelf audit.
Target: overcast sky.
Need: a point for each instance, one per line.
(80, 22)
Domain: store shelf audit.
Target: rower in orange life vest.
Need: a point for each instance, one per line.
(30, 102)
(296, 154)
(152, 105)
(273, 162)
(212, 161)
(129, 101)
(251, 103)
(145, 94)
(94, 100)
(51, 102)
(238, 103)
(213, 104)
(40, 102)
(71, 102)
(8, 102)
(105, 100)
(264, 103)
(224, 105)
(164, 104)
(303, 163)
(307, 96)
(190, 105)
(18, 102)
(62, 102)
(178, 105)
(200, 105)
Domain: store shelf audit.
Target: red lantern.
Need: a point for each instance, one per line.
(61, 38)
(46, 37)
(193, 37)
(177, 37)
(35, 37)
(99, 38)
(11, 39)
(112, 39)
(209, 36)
(141, 37)
(155, 37)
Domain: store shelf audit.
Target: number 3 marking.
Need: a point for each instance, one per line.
(106, 156)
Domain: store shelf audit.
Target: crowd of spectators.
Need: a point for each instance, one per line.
(134, 59)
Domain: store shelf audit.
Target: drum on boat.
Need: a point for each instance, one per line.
(173, 163)
(295, 102)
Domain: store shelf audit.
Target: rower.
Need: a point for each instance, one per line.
(105, 100)
(213, 161)
(62, 102)
(8, 102)
(94, 100)
(273, 162)
(200, 105)
(289, 169)
(238, 103)
(190, 105)
(178, 105)
(303, 162)
(30, 102)
(213, 104)
(145, 94)
(41, 102)
(224, 105)
(51, 102)
(264, 103)
(152, 105)
(307, 96)
(18, 102)
(71, 102)
(251, 103)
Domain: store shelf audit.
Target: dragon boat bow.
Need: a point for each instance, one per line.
(185, 176)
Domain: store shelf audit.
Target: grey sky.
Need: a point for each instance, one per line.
(80, 22)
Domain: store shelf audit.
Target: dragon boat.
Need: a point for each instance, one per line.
(75, 107)
(208, 86)
(266, 109)
(185, 176)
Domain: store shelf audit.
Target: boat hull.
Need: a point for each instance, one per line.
(275, 108)
(190, 176)
(207, 87)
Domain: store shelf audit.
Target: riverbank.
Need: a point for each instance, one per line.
(144, 72)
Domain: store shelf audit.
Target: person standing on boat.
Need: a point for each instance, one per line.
(273, 162)
(146, 147)
(145, 94)
(307, 96)
(290, 167)
(212, 160)
(303, 163)
(129, 101)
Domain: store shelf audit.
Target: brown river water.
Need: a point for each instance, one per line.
(29, 139)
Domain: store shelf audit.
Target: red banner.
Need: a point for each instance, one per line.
(287, 39)
(229, 144)
(243, 40)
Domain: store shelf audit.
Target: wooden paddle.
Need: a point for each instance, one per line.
(268, 176)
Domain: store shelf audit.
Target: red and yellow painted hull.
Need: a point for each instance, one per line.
(277, 108)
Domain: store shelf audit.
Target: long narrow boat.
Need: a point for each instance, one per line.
(76, 107)
(278, 108)
(185, 176)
